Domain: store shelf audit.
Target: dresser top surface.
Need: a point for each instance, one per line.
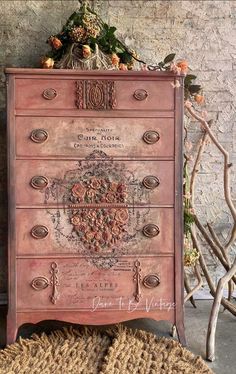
(71, 72)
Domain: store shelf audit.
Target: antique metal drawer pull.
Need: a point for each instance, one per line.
(39, 232)
(39, 182)
(150, 182)
(151, 137)
(39, 135)
(151, 230)
(40, 283)
(151, 281)
(49, 94)
(140, 94)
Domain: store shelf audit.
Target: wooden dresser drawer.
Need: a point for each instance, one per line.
(67, 182)
(78, 137)
(95, 94)
(119, 230)
(131, 95)
(74, 283)
(45, 94)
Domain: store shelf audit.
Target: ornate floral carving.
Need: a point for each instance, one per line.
(100, 229)
(96, 220)
(98, 190)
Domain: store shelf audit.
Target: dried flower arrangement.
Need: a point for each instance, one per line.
(86, 42)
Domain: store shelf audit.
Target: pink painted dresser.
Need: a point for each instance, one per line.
(95, 197)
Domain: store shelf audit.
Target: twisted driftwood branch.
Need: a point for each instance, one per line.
(227, 304)
(210, 346)
(188, 290)
(219, 250)
(227, 164)
(198, 285)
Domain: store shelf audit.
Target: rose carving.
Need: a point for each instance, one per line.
(99, 190)
(99, 229)
(122, 216)
(78, 191)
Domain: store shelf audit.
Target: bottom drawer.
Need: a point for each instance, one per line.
(126, 284)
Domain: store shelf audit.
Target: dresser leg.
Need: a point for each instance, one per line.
(173, 332)
(181, 333)
(11, 332)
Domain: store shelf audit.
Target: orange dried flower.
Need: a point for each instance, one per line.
(199, 99)
(123, 66)
(115, 59)
(183, 65)
(55, 42)
(188, 104)
(47, 62)
(86, 51)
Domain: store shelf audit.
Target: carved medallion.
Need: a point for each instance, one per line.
(95, 94)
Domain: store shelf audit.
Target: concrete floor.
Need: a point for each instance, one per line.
(196, 321)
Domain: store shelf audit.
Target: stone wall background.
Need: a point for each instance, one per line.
(203, 32)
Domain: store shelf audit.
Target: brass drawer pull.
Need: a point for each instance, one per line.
(39, 182)
(151, 281)
(40, 283)
(39, 232)
(39, 135)
(150, 182)
(140, 94)
(151, 137)
(150, 230)
(49, 94)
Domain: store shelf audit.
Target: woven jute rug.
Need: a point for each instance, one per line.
(116, 351)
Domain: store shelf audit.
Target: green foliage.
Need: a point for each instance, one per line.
(164, 65)
(194, 88)
(107, 41)
(188, 220)
(189, 80)
(169, 58)
(191, 89)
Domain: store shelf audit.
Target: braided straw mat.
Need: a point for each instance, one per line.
(88, 351)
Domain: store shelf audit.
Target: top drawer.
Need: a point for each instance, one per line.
(94, 94)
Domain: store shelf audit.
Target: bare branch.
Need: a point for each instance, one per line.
(198, 286)
(188, 289)
(227, 304)
(210, 346)
(227, 164)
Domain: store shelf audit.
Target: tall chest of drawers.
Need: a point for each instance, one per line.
(95, 197)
